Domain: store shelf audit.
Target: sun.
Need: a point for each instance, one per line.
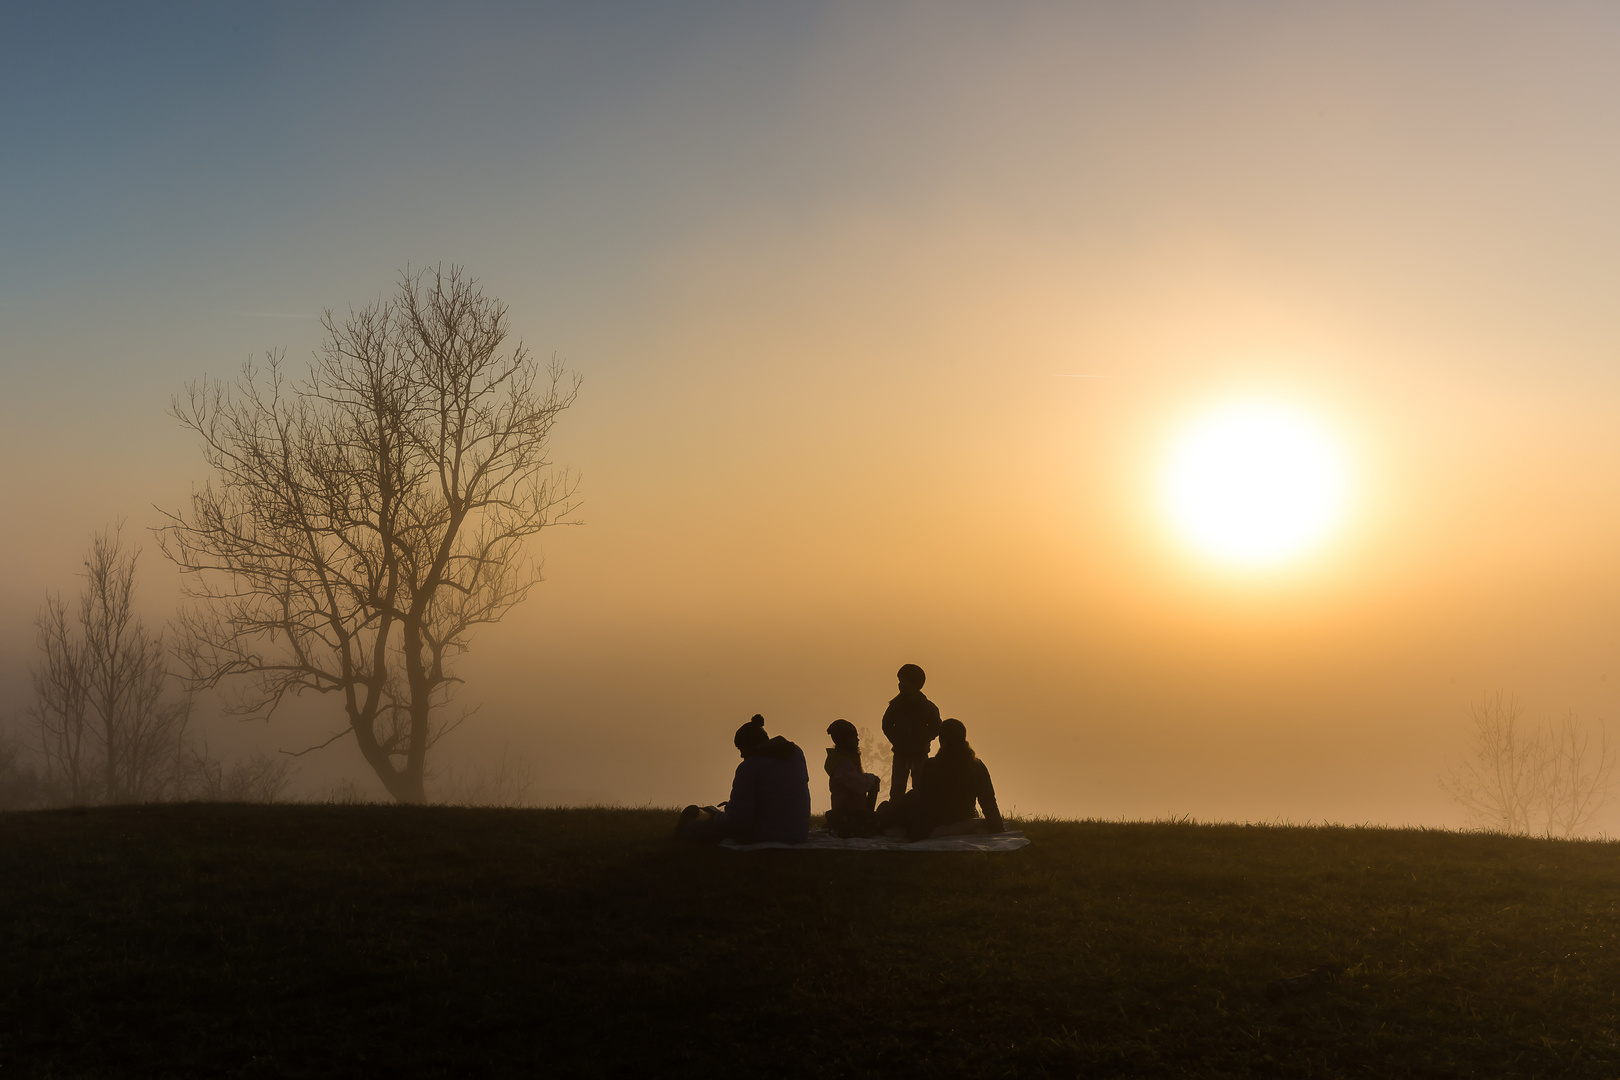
(1256, 483)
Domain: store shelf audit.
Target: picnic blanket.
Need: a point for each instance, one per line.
(824, 840)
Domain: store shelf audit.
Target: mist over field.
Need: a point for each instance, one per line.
(886, 319)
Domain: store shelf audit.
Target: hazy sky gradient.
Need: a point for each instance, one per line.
(822, 267)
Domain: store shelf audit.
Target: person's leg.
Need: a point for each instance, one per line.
(862, 823)
(915, 816)
(834, 822)
(700, 823)
(898, 774)
(889, 814)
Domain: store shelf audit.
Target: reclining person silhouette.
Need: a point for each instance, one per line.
(949, 784)
(854, 791)
(911, 721)
(770, 794)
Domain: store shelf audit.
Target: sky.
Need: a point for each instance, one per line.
(829, 273)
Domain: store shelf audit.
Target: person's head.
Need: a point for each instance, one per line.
(751, 734)
(911, 677)
(953, 736)
(844, 735)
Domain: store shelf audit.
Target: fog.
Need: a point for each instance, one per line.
(826, 273)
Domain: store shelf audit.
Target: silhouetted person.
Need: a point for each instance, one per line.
(911, 721)
(854, 791)
(770, 793)
(947, 788)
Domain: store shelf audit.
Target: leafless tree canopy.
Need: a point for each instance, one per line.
(874, 759)
(105, 728)
(1523, 777)
(361, 523)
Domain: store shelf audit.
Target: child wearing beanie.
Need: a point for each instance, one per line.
(854, 791)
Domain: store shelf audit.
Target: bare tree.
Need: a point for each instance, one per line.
(1520, 777)
(20, 786)
(106, 729)
(362, 523)
(874, 758)
(1499, 776)
(506, 784)
(260, 778)
(1578, 774)
(59, 708)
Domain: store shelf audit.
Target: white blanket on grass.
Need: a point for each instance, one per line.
(823, 840)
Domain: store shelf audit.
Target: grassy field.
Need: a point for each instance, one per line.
(307, 941)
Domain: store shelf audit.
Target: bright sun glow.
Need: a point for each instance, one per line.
(1255, 483)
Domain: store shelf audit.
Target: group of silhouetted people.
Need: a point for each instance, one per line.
(770, 793)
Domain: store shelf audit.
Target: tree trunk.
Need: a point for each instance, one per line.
(403, 785)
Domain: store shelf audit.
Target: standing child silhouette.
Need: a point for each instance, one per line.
(911, 722)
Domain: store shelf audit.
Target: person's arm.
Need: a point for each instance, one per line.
(740, 811)
(890, 716)
(847, 777)
(987, 800)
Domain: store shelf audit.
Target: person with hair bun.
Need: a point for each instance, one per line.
(950, 783)
(770, 794)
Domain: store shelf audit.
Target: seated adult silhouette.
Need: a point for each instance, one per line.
(950, 783)
(770, 794)
(854, 791)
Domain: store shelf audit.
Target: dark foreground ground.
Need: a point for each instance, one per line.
(375, 941)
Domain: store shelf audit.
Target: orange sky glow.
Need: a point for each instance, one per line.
(888, 318)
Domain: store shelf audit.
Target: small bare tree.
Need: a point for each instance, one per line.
(20, 786)
(259, 778)
(361, 524)
(507, 784)
(1578, 776)
(105, 727)
(59, 709)
(1520, 777)
(875, 755)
